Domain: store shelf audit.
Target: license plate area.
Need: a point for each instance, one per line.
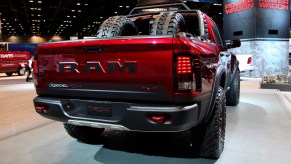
(99, 109)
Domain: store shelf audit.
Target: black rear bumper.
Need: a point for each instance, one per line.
(118, 115)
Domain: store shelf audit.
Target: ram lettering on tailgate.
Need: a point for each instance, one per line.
(109, 67)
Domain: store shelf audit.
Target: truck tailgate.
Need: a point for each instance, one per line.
(121, 68)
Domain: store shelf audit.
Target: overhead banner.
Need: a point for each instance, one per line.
(245, 19)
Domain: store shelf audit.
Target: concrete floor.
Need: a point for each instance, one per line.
(258, 131)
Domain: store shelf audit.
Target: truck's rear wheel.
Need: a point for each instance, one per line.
(21, 71)
(117, 26)
(9, 73)
(208, 139)
(168, 24)
(83, 133)
(232, 95)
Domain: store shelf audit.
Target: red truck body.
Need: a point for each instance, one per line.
(13, 62)
(153, 72)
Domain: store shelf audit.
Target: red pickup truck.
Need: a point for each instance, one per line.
(149, 71)
(14, 62)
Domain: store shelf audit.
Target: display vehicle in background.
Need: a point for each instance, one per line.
(245, 62)
(13, 61)
(162, 68)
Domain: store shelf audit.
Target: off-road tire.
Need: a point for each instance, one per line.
(21, 71)
(168, 24)
(208, 139)
(83, 133)
(9, 73)
(233, 93)
(117, 26)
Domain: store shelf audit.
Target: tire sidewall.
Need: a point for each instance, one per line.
(233, 94)
(168, 24)
(117, 26)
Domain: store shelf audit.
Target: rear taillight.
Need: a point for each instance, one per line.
(35, 67)
(185, 77)
(184, 65)
(249, 60)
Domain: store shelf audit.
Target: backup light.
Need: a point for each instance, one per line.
(185, 85)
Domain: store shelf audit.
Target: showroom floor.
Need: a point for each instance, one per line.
(258, 131)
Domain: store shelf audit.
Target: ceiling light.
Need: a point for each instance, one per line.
(127, 6)
(78, 4)
(73, 10)
(39, 1)
(86, 4)
(30, 0)
(79, 11)
(120, 6)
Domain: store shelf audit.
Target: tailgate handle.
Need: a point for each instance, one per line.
(93, 49)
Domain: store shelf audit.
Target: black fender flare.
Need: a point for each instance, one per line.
(220, 73)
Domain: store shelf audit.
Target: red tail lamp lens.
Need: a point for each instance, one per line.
(184, 65)
(35, 66)
(249, 60)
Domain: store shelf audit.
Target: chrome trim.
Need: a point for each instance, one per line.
(97, 125)
(162, 109)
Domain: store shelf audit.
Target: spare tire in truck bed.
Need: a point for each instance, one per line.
(168, 24)
(116, 26)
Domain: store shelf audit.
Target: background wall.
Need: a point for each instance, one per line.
(263, 28)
